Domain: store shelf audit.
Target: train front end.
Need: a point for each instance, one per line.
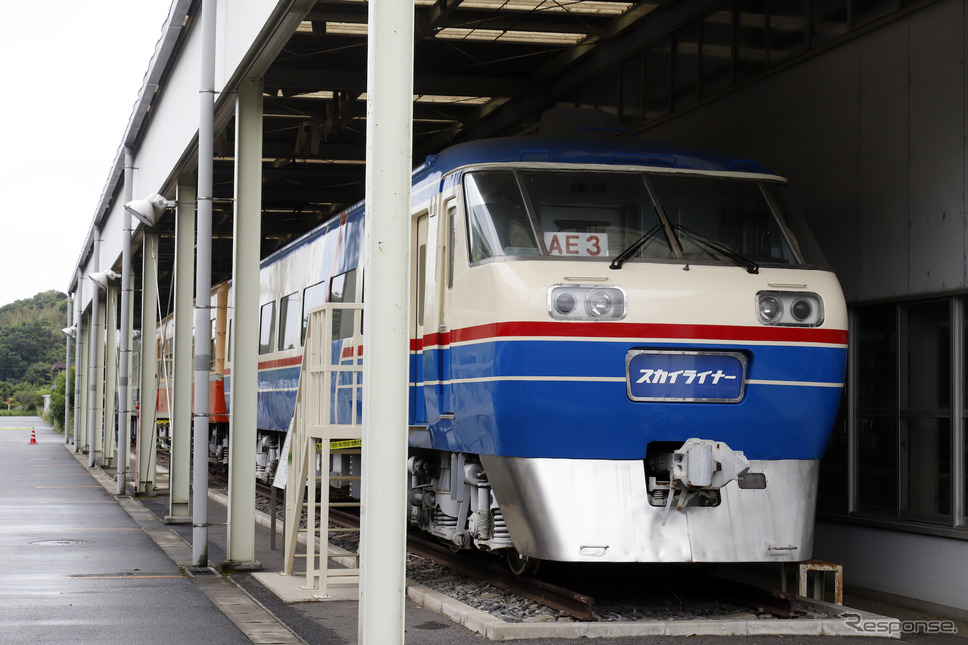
(645, 352)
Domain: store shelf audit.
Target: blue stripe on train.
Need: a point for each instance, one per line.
(596, 420)
(590, 419)
(607, 359)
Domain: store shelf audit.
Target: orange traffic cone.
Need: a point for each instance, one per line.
(33, 437)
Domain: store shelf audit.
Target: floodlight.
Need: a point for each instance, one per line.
(70, 331)
(101, 278)
(148, 210)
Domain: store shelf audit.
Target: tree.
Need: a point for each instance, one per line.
(57, 398)
(30, 343)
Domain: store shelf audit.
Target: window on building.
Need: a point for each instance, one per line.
(267, 327)
(961, 376)
(750, 38)
(586, 95)
(717, 49)
(631, 104)
(828, 19)
(685, 77)
(608, 94)
(875, 429)
(867, 10)
(736, 41)
(788, 29)
(925, 427)
(657, 77)
(903, 428)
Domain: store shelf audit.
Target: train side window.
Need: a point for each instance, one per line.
(421, 281)
(289, 322)
(313, 297)
(267, 327)
(342, 288)
(451, 241)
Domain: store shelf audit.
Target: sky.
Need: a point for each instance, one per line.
(71, 73)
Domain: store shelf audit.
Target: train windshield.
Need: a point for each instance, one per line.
(629, 216)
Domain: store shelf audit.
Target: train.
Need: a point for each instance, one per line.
(620, 351)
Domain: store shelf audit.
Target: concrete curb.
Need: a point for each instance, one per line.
(494, 628)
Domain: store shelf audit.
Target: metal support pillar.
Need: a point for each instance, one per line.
(246, 239)
(110, 373)
(97, 387)
(134, 393)
(93, 405)
(203, 283)
(83, 376)
(179, 487)
(389, 123)
(79, 365)
(67, 370)
(124, 393)
(147, 443)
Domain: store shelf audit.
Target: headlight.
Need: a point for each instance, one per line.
(586, 302)
(769, 309)
(564, 302)
(789, 308)
(602, 303)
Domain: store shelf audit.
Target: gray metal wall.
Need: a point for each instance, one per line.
(931, 569)
(872, 136)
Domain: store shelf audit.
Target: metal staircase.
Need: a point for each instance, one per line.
(327, 421)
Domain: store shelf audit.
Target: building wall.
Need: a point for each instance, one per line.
(932, 569)
(872, 136)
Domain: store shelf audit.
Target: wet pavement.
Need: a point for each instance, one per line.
(79, 565)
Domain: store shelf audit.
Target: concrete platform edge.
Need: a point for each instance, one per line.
(251, 617)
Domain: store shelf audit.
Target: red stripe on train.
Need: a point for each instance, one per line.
(731, 333)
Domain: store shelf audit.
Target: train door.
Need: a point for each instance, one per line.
(418, 405)
(448, 239)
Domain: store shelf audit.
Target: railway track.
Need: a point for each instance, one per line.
(579, 606)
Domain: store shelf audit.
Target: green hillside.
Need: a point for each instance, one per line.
(31, 342)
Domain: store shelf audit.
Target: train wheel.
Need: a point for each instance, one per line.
(522, 565)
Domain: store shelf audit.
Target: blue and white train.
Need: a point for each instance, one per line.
(620, 351)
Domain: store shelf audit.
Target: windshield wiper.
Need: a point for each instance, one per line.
(743, 261)
(635, 246)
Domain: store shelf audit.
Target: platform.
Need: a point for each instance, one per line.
(79, 564)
